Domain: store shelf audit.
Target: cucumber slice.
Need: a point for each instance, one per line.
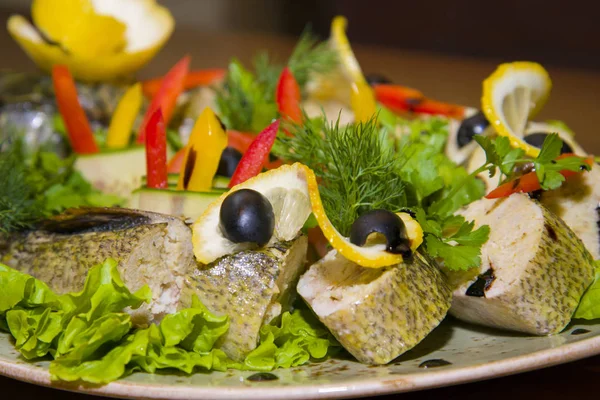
(220, 182)
(173, 202)
(117, 171)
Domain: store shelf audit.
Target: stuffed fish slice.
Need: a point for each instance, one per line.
(533, 272)
(152, 249)
(376, 314)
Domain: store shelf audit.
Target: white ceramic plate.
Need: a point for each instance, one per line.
(474, 353)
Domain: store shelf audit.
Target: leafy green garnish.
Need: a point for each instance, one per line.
(589, 305)
(500, 156)
(247, 100)
(39, 186)
(356, 164)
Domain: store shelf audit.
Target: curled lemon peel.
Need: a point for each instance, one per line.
(100, 46)
(369, 256)
(524, 79)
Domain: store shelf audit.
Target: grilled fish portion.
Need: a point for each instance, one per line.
(534, 269)
(376, 314)
(251, 287)
(151, 249)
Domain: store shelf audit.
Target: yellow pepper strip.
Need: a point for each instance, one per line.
(121, 124)
(203, 153)
(362, 98)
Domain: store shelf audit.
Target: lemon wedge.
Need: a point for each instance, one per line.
(99, 40)
(371, 256)
(512, 95)
(287, 191)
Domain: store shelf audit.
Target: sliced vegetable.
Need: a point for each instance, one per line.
(203, 152)
(240, 140)
(156, 151)
(166, 96)
(397, 98)
(176, 162)
(76, 122)
(123, 118)
(433, 107)
(201, 77)
(530, 182)
(288, 96)
(253, 160)
(362, 101)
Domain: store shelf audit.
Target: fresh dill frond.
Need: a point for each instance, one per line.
(356, 166)
(311, 56)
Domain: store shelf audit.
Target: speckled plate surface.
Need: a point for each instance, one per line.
(473, 353)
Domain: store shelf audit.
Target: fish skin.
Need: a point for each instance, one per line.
(251, 287)
(398, 306)
(150, 248)
(544, 296)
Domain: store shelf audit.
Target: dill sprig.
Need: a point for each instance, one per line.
(310, 56)
(356, 166)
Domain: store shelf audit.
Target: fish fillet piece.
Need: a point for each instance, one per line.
(152, 249)
(533, 273)
(251, 287)
(376, 314)
(577, 202)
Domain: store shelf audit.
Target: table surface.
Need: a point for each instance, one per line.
(574, 100)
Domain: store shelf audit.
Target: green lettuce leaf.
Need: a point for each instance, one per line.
(589, 305)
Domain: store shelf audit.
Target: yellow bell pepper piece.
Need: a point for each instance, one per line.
(207, 141)
(121, 124)
(362, 98)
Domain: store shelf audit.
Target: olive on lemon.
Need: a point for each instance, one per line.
(246, 216)
(385, 223)
(537, 140)
(469, 127)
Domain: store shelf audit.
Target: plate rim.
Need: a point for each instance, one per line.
(360, 387)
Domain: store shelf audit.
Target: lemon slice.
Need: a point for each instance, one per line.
(287, 191)
(371, 256)
(513, 94)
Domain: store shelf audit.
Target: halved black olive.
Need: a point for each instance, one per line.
(469, 127)
(377, 79)
(246, 216)
(386, 223)
(230, 158)
(537, 139)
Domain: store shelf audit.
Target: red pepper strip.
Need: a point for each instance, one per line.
(201, 77)
(529, 182)
(156, 151)
(288, 96)
(253, 160)
(397, 98)
(166, 96)
(78, 127)
(175, 163)
(433, 107)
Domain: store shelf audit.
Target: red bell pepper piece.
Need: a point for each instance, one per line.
(253, 160)
(166, 96)
(529, 182)
(433, 107)
(156, 151)
(76, 122)
(288, 96)
(201, 77)
(397, 98)
(175, 163)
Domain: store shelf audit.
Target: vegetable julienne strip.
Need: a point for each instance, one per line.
(193, 79)
(156, 151)
(77, 124)
(90, 339)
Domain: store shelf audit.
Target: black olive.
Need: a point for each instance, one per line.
(388, 224)
(247, 216)
(537, 139)
(469, 127)
(377, 79)
(230, 158)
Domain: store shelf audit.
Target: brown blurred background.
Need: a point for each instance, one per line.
(554, 32)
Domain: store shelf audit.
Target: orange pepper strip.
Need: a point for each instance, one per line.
(200, 77)
(76, 122)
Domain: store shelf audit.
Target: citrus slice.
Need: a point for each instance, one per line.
(371, 256)
(99, 40)
(513, 94)
(285, 188)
